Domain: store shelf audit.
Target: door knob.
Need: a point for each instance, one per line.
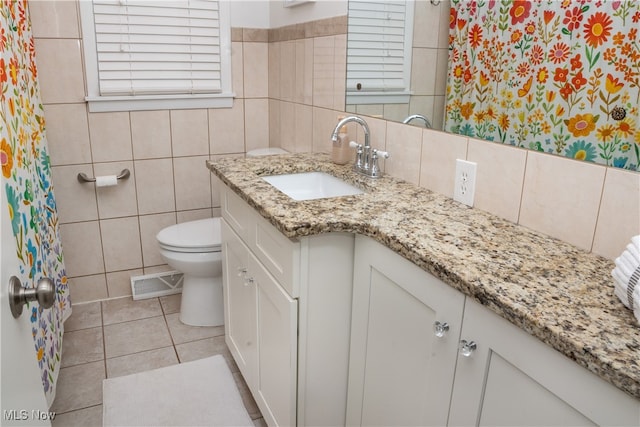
(44, 293)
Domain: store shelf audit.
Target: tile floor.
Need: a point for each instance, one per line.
(119, 337)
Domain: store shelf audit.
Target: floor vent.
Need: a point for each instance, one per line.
(156, 285)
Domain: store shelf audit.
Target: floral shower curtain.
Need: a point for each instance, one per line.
(26, 176)
(561, 77)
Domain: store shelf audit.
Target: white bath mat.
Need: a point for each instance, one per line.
(198, 393)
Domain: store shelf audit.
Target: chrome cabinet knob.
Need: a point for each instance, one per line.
(249, 281)
(467, 347)
(440, 329)
(242, 271)
(44, 293)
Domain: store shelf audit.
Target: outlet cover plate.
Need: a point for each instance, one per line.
(465, 182)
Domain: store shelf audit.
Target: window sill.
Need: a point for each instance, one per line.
(102, 104)
(357, 98)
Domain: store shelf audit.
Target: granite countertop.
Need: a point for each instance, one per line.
(558, 293)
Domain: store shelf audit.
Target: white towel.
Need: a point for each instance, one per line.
(636, 303)
(620, 288)
(633, 250)
(626, 276)
(630, 261)
(625, 266)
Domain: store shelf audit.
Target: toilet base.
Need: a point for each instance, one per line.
(202, 303)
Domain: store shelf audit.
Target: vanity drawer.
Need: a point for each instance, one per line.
(236, 211)
(279, 254)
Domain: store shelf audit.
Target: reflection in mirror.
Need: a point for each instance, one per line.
(412, 117)
(397, 60)
(571, 68)
(557, 77)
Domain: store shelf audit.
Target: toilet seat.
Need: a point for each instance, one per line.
(199, 236)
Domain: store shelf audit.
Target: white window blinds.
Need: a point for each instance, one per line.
(379, 46)
(157, 47)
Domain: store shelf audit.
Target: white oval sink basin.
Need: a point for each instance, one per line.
(311, 185)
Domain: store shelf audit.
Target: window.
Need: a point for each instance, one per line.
(379, 50)
(157, 54)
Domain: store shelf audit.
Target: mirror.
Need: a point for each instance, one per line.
(428, 57)
(555, 77)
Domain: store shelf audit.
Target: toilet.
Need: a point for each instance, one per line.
(194, 249)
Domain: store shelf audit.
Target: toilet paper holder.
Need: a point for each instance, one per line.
(82, 177)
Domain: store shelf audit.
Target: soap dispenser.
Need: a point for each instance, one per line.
(341, 152)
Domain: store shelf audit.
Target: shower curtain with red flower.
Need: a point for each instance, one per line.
(26, 177)
(561, 77)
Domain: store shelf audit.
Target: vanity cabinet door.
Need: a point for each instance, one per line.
(278, 345)
(240, 294)
(512, 378)
(400, 371)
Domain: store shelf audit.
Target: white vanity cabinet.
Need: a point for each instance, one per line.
(400, 370)
(512, 378)
(288, 315)
(401, 373)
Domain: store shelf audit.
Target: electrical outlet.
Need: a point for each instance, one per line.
(465, 185)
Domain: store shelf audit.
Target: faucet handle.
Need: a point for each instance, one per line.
(358, 164)
(375, 171)
(380, 153)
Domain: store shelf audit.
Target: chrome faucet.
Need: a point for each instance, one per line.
(421, 117)
(366, 158)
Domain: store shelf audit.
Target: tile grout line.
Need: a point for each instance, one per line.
(104, 341)
(104, 353)
(173, 344)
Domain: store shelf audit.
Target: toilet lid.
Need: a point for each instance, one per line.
(194, 236)
(266, 151)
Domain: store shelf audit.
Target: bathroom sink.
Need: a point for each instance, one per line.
(311, 185)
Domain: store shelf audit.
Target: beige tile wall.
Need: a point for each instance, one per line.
(289, 84)
(109, 233)
(306, 69)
